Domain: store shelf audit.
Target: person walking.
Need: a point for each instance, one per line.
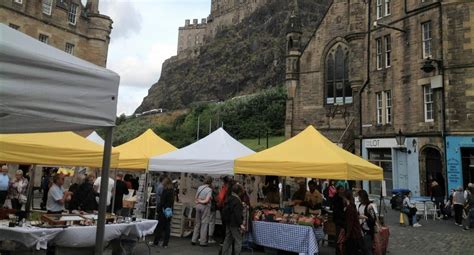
(212, 217)
(367, 219)
(233, 219)
(57, 197)
(4, 185)
(410, 210)
(18, 190)
(437, 196)
(203, 209)
(458, 205)
(354, 243)
(338, 212)
(165, 213)
(469, 207)
(120, 190)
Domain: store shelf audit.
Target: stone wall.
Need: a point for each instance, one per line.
(90, 34)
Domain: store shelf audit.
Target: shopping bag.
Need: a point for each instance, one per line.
(380, 243)
(341, 239)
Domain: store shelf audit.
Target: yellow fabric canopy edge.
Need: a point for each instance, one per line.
(54, 149)
(311, 155)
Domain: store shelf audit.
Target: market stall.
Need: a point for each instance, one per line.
(213, 155)
(44, 89)
(134, 157)
(309, 155)
(52, 148)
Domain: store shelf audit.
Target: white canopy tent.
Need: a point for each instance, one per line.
(94, 137)
(45, 89)
(214, 154)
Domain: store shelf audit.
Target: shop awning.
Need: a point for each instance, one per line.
(54, 148)
(94, 137)
(136, 153)
(311, 155)
(46, 89)
(214, 154)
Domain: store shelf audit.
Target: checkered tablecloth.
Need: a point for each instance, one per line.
(293, 238)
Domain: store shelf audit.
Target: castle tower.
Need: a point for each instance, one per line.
(100, 27)
(293, 37)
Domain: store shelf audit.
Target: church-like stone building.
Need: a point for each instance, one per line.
(392, 81)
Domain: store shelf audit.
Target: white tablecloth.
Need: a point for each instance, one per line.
(29, 236)
(80, 236)
(84, 236)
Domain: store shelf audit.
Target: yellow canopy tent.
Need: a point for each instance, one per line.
(55, 148)
(136, 153)
(310, 155)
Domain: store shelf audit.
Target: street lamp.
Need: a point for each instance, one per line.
(400, 138)
(428, 66)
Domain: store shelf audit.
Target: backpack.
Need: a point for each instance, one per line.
(168, 212)
(227, 211)
(371, 222)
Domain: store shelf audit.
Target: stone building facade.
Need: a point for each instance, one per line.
(65, 24)
(223, 13)
(364, 106)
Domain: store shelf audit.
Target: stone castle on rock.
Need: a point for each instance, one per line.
(224, 13)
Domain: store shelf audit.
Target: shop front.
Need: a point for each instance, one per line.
(400, 164)
(460, 161)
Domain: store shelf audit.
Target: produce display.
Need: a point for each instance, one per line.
(274, 215)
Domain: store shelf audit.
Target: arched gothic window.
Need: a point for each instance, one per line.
(338, 90)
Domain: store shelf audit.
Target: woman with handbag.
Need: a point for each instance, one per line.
(410, 210)
(165, 212)
(354, 242)
(18, 190)
(367, 219)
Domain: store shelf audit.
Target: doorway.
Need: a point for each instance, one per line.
(434, 167)
(467, 156)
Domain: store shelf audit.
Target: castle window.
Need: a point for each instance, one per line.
(388, 50)
(378, 52)
(72, 14)
(426, 39)
(19, 1)
(387, 8)
(384, 107)
(428, 102)
(338, 89)
(69, 48)
(43, 38)
(379, 9)
(47, 6)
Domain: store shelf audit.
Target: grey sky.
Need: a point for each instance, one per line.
(145, 33)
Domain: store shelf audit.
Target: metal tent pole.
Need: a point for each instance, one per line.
(99, 238)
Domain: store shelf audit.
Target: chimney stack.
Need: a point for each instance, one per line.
(93, 6)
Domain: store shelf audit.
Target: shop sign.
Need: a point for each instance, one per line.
(379, 143)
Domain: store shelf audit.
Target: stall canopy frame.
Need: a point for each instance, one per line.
(44, 89)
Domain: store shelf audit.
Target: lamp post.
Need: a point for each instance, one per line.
(400, 138)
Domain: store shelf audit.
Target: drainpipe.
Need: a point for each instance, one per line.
(367, 79)
(443, 98)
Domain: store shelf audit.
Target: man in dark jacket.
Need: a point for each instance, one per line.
(437, 196)
(233, 220)
(120, 190)
(338, 212)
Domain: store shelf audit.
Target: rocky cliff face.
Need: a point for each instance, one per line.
(242, 59)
